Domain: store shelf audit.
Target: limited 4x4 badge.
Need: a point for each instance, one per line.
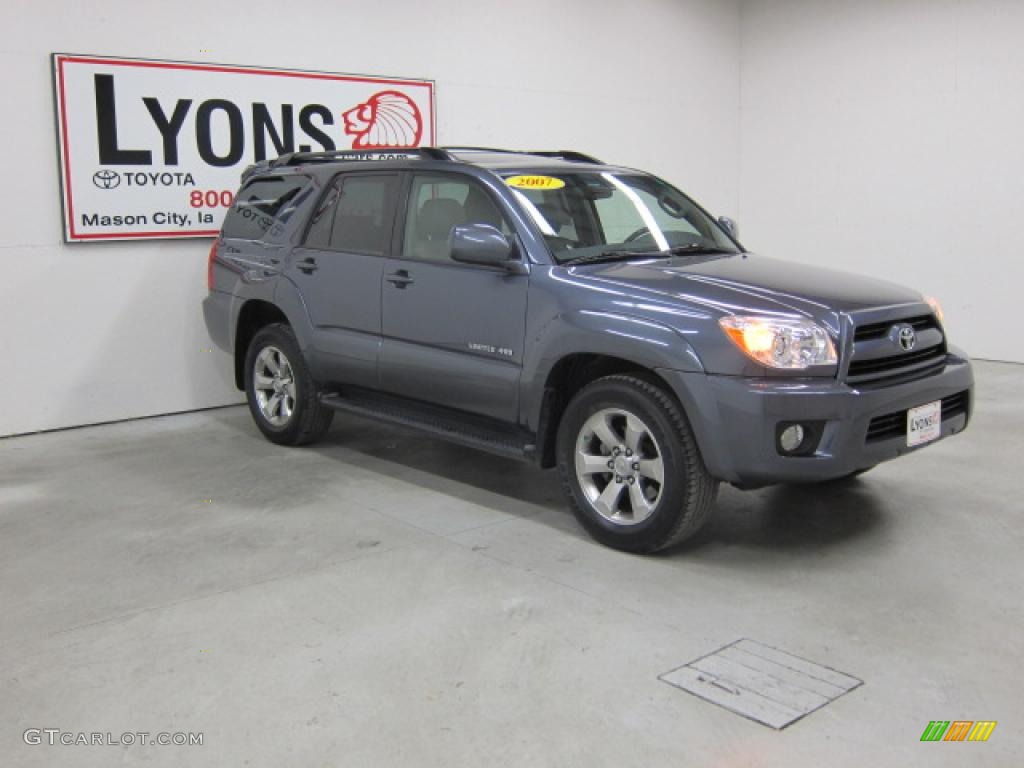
(503, 351)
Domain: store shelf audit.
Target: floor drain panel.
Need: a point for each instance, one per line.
(762, 683)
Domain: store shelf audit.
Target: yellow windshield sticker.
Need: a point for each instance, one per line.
(534, 182)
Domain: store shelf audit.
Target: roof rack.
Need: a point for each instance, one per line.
(299, 158)
(565, 154)
(424, 153)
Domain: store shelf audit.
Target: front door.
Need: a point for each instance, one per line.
(452, 333)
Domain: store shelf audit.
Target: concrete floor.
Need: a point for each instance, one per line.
(386, 599)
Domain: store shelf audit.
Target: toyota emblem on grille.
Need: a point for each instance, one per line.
(903, 336)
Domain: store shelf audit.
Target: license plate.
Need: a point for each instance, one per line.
(924, 423)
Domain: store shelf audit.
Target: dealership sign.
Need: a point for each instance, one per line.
(154, 149)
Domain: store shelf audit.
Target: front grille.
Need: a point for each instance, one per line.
(881, 330)
(877, 360)
(895, 424)
(886, 366)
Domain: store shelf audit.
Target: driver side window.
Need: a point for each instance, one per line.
(439, 203)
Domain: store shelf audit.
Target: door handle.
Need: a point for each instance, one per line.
(400, 279)
(307, 265)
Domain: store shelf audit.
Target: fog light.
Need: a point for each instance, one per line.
(791, 438)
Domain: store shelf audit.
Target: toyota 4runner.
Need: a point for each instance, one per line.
(549, 307)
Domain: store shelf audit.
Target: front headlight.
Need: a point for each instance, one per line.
(780, 342)
(932, 302)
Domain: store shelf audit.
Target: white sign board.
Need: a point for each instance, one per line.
(152, 149)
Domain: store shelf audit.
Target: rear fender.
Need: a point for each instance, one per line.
(290, 301)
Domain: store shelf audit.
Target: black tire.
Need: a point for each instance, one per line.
(684, 497)
(308, 420)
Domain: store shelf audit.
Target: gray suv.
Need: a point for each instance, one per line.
(549, 307)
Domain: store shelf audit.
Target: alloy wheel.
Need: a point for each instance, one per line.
(619, 466)
(274, 385)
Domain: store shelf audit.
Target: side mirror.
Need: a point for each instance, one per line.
(729, 226)
(480, 244)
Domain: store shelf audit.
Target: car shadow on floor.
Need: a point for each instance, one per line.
(794, 518)
(783, 518)
(439, 465)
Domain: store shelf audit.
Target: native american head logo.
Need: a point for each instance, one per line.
(386, 120)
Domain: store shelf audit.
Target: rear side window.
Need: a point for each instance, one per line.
(258, 204)
(355, 215)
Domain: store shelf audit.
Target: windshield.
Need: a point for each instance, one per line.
(589, 214)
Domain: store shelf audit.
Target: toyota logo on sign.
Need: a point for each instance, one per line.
(106, 179)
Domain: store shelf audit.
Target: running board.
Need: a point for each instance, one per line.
(454, 426)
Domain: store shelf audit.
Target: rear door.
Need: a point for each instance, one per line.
(338, 271)
(452, 333)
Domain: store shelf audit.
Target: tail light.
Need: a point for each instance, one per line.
(209, 265)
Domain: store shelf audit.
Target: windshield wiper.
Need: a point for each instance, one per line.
(693, 249)
(690, 249)
(614, 256)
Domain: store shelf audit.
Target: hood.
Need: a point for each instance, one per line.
(747, 283)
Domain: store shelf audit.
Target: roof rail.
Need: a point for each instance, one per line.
(570, 154)
(485, 149)
(565, 154)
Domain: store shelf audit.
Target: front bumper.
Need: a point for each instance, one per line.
(735, 420)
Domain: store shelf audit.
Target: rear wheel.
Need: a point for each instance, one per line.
(282, 395)
(631, 467)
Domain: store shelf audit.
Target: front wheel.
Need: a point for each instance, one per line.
(282, 395)
(631, 467)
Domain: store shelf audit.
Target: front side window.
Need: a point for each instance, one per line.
(355, 215)
(585, 214)
(437, 204)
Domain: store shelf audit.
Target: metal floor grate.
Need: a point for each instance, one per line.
(761, 683)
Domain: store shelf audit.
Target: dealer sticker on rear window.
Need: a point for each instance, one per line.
(534, 182)
(924, 423)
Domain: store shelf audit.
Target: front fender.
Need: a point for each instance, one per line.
(638, 340)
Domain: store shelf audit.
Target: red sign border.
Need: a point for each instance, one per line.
(60, 59)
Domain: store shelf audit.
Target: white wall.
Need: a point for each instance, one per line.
(879, 136)
(887, 137)
(95, 332)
